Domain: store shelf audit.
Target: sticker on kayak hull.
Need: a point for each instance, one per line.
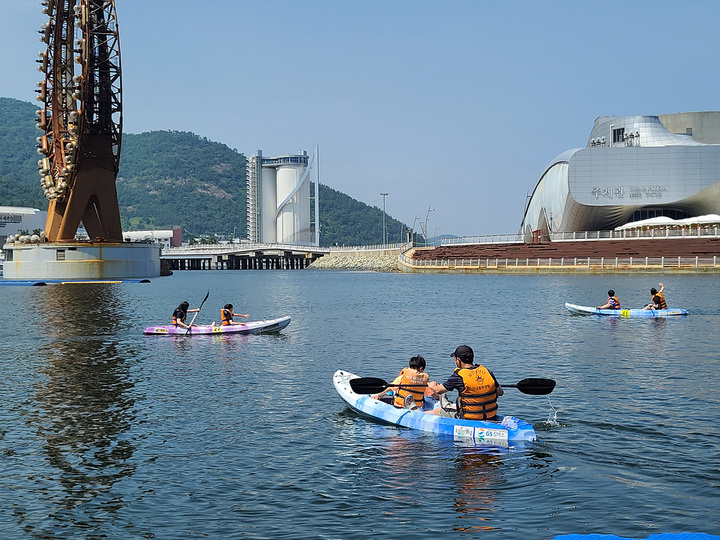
(480, 435)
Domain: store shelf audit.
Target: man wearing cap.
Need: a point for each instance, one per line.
(477, 388)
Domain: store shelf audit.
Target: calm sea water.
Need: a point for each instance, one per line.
(107, 433)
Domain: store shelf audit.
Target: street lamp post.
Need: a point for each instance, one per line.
(413, 229)
(427, 217)
(384, 228)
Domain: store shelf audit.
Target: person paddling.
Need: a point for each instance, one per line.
(477, 388)
(227, 315)
(180, 314)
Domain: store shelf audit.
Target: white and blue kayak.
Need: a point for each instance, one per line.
(266, 326)
(511, 432)
(648, 313)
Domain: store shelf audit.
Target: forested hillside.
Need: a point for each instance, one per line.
(176, 178)
(171, 178)
(19, 179)
(346, 221)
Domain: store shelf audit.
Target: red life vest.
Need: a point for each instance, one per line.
(410, 376)
(478, 400)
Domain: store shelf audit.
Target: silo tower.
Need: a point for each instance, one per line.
(278, 206)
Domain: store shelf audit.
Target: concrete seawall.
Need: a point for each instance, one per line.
(371, 260)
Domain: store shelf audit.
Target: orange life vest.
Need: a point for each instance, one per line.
(410, 376)
(176, 319)
(478, 400)
(662, 303)
(617, 302)
(225, 317)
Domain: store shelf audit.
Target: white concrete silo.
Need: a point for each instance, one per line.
(268, 205)
(293, 204)
(279, 199)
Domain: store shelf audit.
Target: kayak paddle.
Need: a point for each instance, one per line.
(373, 385)
(531, 386)
(196, 313)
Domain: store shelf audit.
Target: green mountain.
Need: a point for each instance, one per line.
(169, 178)
(19, 179)
(176, 178)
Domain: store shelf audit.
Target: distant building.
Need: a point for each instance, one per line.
(14, 219)
(166, 238)
(632, 169)
(278, 199)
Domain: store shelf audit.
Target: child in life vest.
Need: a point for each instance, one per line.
(657, 300)
(227, 314)
(412, 381)
(612, 301)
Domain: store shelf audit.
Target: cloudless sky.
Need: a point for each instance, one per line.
(455, 105)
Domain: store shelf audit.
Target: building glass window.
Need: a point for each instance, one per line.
(648, 213)
(618, 135)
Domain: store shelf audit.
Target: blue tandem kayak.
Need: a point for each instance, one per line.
(511, 432)
(649, 313)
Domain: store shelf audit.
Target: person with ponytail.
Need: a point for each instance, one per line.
(180, 314)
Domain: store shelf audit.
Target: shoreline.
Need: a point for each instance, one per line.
(399, 261)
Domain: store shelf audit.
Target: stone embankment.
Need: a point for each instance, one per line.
(370, 261)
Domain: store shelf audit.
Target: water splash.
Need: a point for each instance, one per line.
(552, 416)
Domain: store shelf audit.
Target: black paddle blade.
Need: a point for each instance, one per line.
(535, 387)
(368, 385)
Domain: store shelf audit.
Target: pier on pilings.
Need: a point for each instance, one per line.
(241, 257)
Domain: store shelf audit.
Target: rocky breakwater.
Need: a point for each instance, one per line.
(372, 261)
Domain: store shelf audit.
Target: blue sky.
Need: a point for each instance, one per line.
(456, 105)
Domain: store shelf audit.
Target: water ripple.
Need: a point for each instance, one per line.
(107, 433)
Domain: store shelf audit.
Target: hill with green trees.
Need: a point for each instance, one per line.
(169, 178)
(19, 179)
(177, 178)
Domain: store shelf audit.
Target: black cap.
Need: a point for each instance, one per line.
(464, 353)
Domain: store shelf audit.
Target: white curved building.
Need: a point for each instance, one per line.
(633, 168)
(278, 199)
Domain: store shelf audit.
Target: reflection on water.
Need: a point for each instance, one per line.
(478, 477)
(473, 473)
(84, 402)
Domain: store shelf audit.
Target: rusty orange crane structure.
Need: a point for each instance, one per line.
(80, 119)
